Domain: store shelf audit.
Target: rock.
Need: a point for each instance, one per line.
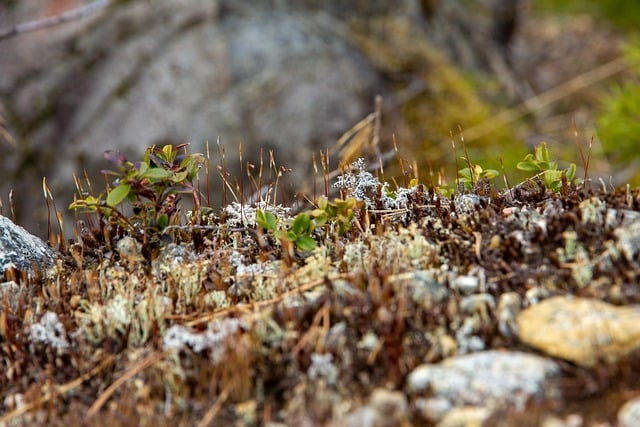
(433, 409)
(629, 414)
(486, 379)
(508, 307)
(466, 284)
(426, 287)
(391, 407)
(386, 408)
(364, 416)
(22, 250)
(580, 330)
(466, 416)
(629, 239)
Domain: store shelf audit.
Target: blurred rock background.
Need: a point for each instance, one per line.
(293, 76)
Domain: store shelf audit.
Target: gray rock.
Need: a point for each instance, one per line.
(629, 414)
(426, 287)
(487, 379)
(22, 250)
(432, 409)
(629, 239)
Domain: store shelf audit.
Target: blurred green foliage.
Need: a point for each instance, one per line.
(623, 14)
(619, 118)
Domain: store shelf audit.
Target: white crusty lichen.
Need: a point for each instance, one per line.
(244, 215)
(179, 337)
(49, 331)
(364, 186)
(360, 183)
(322, 367)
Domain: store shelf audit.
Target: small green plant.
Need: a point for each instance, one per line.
(152, 187)
(299, 230)
(469, 176)
(341, 212)
(540, 163)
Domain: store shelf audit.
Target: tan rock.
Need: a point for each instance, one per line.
(580, 330)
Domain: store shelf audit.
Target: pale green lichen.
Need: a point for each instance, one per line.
(216, 299)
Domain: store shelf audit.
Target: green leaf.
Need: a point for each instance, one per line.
(305, 243)
(301, 223)
(157, 173)
(528, 166)
(552, 179)
(179, 176)
(320, 219)
(280, 235)
(143, 168)
(168, 153)
(464, 174)
(490, 173)
(322, 203)
(571, 172)
(542, 153)
(162, 221)
(118, 194)
(266, 220)
(291, 236)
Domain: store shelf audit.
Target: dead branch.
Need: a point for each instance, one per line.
(51, 21)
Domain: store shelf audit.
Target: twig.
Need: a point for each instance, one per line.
(141, 366)
(51, 21)
(215, 408)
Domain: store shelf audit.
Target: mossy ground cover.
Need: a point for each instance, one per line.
(233, 318)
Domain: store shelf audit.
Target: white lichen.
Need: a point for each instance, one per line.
(180, 337)
(244, 215)
(360, 183)
(49, 331)
(322, 367)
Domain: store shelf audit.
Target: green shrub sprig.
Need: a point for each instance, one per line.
(469, 176)
(540, 162)
(299, 230)
(152, 187)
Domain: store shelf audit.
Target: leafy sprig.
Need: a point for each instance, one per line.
(152, 187)
(541, 163)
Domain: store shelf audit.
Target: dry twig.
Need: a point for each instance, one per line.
(51, 21)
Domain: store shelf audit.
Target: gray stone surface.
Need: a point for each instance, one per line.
(629, 414)
(22, 250)
(486, 379)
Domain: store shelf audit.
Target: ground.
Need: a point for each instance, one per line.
(232, 325)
